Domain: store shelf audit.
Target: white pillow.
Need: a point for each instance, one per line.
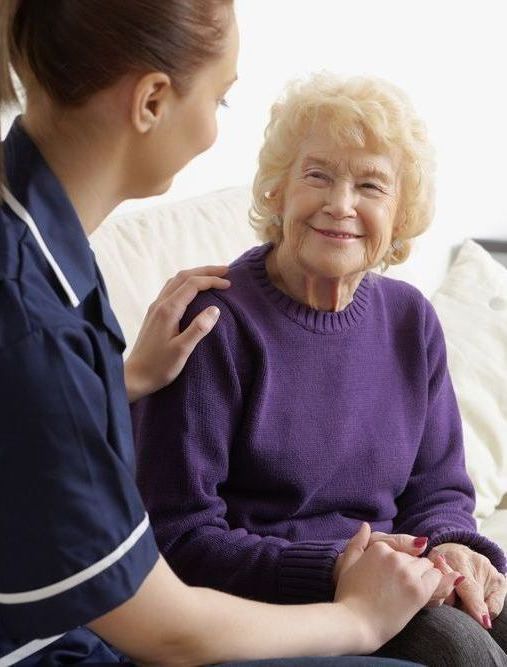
(495, 528)
(472, 307)
(139, 251)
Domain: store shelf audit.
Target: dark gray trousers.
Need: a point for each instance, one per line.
(342, 661)
(447, 637)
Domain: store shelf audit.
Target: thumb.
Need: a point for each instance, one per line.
(408, 544)
(431, 581)
(356, 547)
(184, 344)
(200, 326)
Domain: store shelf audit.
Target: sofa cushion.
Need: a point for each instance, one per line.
(138, 251)
(472, 306)
(495, 528)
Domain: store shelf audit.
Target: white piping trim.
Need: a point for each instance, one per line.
(23, 214)
(79, 577)
(24, 651)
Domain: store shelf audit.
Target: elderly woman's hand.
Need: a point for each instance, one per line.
(382, 588)
(482, 592)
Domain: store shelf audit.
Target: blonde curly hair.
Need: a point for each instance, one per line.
(359, 112)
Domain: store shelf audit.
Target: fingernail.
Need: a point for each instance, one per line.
(214, 313)
(486, 621)
(459, 580)
(420, 542)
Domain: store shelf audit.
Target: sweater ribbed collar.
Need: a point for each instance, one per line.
(318, 321)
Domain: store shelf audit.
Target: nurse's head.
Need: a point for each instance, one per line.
(147, 75)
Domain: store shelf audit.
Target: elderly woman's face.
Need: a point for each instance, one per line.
(338, 207)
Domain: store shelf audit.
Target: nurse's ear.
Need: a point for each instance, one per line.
(152, 95)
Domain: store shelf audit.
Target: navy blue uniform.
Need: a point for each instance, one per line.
(75, 538)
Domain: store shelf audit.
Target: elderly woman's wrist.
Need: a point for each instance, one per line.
(474, 541)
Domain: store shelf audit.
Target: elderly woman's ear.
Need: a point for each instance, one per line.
(274, 204)
(273, 200)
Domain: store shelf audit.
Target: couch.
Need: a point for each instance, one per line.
(138, 251)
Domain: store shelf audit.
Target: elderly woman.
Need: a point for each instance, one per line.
(322, 397)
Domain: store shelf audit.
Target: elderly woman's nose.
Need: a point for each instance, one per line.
(341, 201)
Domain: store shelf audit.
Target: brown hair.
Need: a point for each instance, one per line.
(75, 48)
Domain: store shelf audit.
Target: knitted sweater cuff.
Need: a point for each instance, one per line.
(306, 571)
(474, 541)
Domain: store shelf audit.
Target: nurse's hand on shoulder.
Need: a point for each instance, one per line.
(161, 351)
(383, 588)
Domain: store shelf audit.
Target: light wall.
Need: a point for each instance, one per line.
(449, 55)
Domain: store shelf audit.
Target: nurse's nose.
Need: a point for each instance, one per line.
(342, 201)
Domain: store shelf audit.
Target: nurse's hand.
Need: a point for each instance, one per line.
(382, 587)
(413, 546)
(161, 351)
(408, 544)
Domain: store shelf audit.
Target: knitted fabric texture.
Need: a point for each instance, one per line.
(289, 427)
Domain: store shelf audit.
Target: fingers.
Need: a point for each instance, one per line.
(421, 566)
(445, 589)
(200, 326)
(482, 590)
(172, 303)
(472, 598)
(186, 292)
(449, 581)
(201, 271)
(496, 600)
(355, 547)
(409, 544)
(449, 578)
(431, 580)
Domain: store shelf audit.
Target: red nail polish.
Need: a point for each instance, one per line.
(486, 621)
(420, 542)
(459, 580)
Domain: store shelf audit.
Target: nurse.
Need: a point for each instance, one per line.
(120, 96)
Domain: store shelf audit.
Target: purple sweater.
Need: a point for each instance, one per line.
(289, 426)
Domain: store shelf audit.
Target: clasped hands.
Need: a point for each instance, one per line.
(469, 580)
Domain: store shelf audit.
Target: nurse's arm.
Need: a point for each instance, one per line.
(169, 623)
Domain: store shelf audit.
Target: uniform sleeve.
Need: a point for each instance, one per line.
(439, 498)
(76, 540)
(185, 440)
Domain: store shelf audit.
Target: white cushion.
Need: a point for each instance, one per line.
(495, 527)
(139, 251)
(472, 306)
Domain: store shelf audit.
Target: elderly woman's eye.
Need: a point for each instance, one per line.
(318, 175)
(371, 186)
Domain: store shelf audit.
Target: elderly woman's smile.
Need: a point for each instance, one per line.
(322, 396)
(337, 210)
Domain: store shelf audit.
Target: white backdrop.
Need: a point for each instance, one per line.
(449, 55)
